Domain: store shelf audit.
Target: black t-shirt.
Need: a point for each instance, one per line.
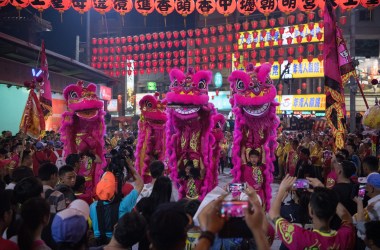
(344, 192)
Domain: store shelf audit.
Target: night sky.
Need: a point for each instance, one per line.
(62, 38)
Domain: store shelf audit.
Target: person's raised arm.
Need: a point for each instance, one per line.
(285, 186)
(139, 183)
(255, 219)
(359, 216)
(343, 213)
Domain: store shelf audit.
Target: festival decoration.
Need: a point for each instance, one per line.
(266, 6)
(370, 5)
(83, 129)
(253, 103)
(205, 8)
(307, 5)
(3, 3)
(246, 7)
(184, 8)
(189, 132)
(287, 6)
(226, 7)
(347, 5)
(40, 5)
(165, 7)
(151, 142)
(102, 6)
(82, 6)
(19, 4)
(123, 7)
(371, 118)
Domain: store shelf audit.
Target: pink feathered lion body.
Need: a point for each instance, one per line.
(217, 132)
(83, 128)
(151, 143)
(254, 106)
(189, 127)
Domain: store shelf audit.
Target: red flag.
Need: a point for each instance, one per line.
(45, 89)
(334, 65)
(32, 120)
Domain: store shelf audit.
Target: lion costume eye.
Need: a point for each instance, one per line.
(202, 84)
(239, 84)
(73, 95)
(175, 83)
(269, 81)
(148, 104)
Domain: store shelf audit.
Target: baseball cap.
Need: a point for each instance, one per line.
(374, 180)
(106, 187)
(69, 226)
(40, 145)
(81, 206)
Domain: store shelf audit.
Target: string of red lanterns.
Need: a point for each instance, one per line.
(203, 7)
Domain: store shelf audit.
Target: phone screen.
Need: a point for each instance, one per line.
(233, 208)
(236, 187)
(301, 184)
(361, 192)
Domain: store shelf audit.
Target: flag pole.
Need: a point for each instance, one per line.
(361, 92)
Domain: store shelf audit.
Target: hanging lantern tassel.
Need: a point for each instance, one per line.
(165, 20)
(61, 12)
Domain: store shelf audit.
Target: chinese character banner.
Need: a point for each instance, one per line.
(187, 7)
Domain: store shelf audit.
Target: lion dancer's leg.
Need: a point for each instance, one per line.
(237, 145)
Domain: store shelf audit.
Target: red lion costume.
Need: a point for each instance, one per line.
(151, 143)
(83, 129)
(189, 131)
(253, 103)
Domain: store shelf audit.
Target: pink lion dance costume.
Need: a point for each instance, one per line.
(254, 106)
(83, 129)
(151, 143)
(218, 134)
(189, 131)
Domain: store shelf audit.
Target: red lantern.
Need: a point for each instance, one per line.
(263, 53)
(310, 48)
(319, 35)
(221, 29)
(306, 6)
(155, 35)
(299, 39)
(164, 7)
(291, 29)
(300, 59)
(272, 52)
(214, 39)
(144, 7)
(304, 85)
(182, 53)
(281, 20)
(184, 8)
(4, 3)
(280, 60)
(280, 86)
(266, 6)
(311, 25)
(206, 40)
(102, 6)
(183, 32)
(299, 91)
(60, 5)
(205, 8)
(301, 27)
(319, 89)
(183, 43)
(320, 57)
(309, 37)
(300, 49)
(21, 4)
(213, 30)
(290, 50)
(289, 40)
(342, 20)
(244, 8)
(347, 5)
(237, 26)
(281, 51)
(279, 42)
(254, 24)
(291, 19)
(370, 5)
(225, 8)
(81, 6)
(263, 23)
(229, 27)
(287, 7)
(290, 59)
(310, 58)
(320, 46)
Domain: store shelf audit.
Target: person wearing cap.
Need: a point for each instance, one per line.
(372, 211)
(109, 207)
(69, 227)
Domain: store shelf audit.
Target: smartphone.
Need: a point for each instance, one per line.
(361, 192)
(236, 187)
(234, 209)
(108, 155)
(301, 184)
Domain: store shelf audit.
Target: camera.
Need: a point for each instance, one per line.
(361, 191)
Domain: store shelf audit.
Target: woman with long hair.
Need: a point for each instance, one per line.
(161, 193)
(35, 214)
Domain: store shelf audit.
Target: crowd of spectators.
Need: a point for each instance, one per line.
(44, 204)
